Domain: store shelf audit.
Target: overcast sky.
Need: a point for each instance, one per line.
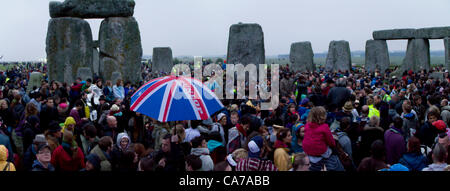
(200, 27)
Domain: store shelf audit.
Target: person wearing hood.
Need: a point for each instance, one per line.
(53, 135)
(43, 158)
(256, 149)
(410, 120)
(439, 159)
(394, 142)
(103, 151)
(414, 160)
(216, 148)
(318, 142)
(122, 144)
(69, 125)
(92, 163)
(31, 130)
(219, 126)
(200, 149)
(4, 164)
(298, 134)
(282, 159)
(68, 156)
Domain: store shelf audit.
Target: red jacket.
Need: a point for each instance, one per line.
(317, 138)
(63, 162)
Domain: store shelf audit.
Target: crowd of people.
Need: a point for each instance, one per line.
(325, 121)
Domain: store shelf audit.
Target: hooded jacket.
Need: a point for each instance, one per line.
(395, 145)
(317, 139)
(207, 162)
(445, 114)
(3, 162)
(296, 148)
(105, 164)
(414, 161)
(69, 121)
(120, 137)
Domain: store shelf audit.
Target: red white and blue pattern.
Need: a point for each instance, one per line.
(175, 98)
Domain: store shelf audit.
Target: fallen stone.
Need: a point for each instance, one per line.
(162, 59)
(339, 57)
(394, 34)
(120, 48)
(302, 57)
(68, 47)
(246, 44)
(377, 56)
(92, 8)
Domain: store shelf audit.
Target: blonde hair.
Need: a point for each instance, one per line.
(240, 154)
(317, 115)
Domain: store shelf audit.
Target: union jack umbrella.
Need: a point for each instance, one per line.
(175, 98)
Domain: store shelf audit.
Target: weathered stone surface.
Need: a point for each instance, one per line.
(447, 52)
(433, 33)
(339, 57)
(437, 75)
(92, 8)
(394, 34)
(95, 61)
(417, 55)
(302, 57)
(116, 76)
(95, 44)
(68, 47)
(377, 56)
(120, 48)
(85, 73)
(162, 60)
(35, 81)
(246, 44)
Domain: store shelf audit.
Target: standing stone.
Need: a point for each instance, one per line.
(35, 81)
(116, 76)
(120, 48)
(92, 8)
(246, 44)
(84, 73)
(377, 55)
(339, 57)
(68, 47)
(302, 57)
(447, 52)
(417, 55)
(95, 61)
(162, 59)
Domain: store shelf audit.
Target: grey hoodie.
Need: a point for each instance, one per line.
(445, 114)
(207, 162)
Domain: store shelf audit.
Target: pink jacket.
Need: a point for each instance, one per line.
(317, 139)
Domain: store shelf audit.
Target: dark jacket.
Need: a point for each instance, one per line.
(338, 96)
(37, 166)
(174, 159)
(427, 134)
(414, 161)
(29, 157)
(395, 145)
(47, 114)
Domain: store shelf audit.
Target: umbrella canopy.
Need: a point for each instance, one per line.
(175, 98)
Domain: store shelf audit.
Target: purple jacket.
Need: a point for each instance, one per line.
(395, 145)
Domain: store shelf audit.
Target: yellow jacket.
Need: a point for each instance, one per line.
(373, 112)
(3, 162)
(282, 159)
(69, 121)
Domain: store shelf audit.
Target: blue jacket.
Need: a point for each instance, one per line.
(414, 161)
(295, 147)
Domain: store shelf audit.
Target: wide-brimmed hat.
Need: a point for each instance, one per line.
(348, 106)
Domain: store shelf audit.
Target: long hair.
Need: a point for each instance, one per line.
(317, 115)
(30, 109)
